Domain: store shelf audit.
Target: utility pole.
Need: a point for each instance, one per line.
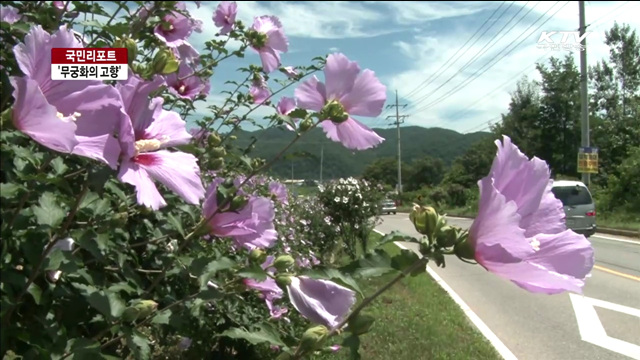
(321, 160)
(399, 120)
(584, 98)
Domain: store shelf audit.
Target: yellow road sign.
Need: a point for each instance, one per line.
(588, 160)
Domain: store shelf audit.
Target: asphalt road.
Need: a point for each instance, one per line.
(604, 324)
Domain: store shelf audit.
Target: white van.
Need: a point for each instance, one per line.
(579, 207)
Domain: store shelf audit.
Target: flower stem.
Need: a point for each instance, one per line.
(420, 262)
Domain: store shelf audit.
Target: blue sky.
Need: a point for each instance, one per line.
(406, 43)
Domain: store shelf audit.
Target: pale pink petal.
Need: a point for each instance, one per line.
(169, 128)
(535, 278)
(340, 75)
(566, 253)
(519, 179)
(135, 98)
(270, 59)
(100, 117)
(321, 301)
(352, 134)
(33, 115)
(495, 228)
(146, 191)
(550, 217)
(367, 97)
(286, 105)
(311, 94)
(277, 40)
(178, 171)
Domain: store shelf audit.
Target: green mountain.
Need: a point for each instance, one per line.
(302, 160)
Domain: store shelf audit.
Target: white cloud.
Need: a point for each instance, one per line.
(334, 49)
(474, 104)
(342, 19)
(419, 12)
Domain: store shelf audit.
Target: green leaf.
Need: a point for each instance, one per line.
(213, 267)
(138, 343)
(108, 303)
(265, 333)
(36, 292)
(54, 260)
(9, 190)
(82, 348)
(175, 223)
(58, 166)
(49, 212)
(405, 259)
(298, 114)
(395, 236)
(91, 23)
(209, 294)
(373, 264)
(254, 272)
(162, 317)
(353, 343)
(361, 324)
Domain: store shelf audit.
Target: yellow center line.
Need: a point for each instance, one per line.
(631, 277)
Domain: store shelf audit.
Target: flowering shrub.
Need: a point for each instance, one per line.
(354, 205)
(126, 235)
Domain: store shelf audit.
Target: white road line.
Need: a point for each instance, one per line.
(637, 242)
(592, 330)
(484, 329)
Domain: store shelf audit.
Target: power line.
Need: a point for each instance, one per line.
(439, 72)
(452, 56)
(475, 75)
(470, 61)
(513, 79)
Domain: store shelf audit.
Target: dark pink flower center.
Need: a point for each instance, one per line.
(146, 159)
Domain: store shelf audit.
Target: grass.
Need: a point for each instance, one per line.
(416, 320)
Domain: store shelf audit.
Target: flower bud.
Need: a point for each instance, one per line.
(218, 152)
(257, 256)
(217, 164)
(130, 45)
(165, 62)
(284, 262)
(306, 124)
(425, 219)
(214, 139)
(447, 236)
(313, 338)
(120, 219)
(335, 112)
(139, 309)
(283, 281)
(238, 203)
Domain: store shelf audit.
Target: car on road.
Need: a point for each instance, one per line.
(388, 207)
(579, 208)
